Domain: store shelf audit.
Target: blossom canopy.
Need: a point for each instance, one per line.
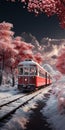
(50, 7)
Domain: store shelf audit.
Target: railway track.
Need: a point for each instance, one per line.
(10, 99)
(12, 105)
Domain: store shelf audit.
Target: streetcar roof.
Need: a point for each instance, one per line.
(31, 62)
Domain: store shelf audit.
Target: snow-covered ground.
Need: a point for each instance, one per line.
(53, 115)
(54, 110)
(7, 90)
(22, 115)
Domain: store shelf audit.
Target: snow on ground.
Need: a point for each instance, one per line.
(22, 115)
(53, 115)
(7, 90)
(54, 110)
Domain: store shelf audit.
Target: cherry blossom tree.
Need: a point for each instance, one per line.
(50, 7)
(7, 50)
(26, 51)
(38, 58)
(5, 41)
(14, 49)
(60, 64)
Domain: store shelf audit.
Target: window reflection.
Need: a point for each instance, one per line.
(33, 71)
(21, 71)
(30, 70)
(26, 70)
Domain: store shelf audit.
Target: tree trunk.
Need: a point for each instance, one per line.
(3, 61)
(13, 79)
(0, 78)
(1, 69)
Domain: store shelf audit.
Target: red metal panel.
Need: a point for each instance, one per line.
(32, 79)
(20, 80)
(48, 81)
(26, 80)
(40, 81)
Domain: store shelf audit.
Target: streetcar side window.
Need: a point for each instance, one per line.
(41, 73)
(47, 76)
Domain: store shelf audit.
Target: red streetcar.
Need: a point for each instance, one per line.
(32, 76)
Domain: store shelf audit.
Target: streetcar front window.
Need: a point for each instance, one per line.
(33, 70)
(26, 70)
(21, 71)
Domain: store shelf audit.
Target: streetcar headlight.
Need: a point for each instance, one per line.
(25, 79)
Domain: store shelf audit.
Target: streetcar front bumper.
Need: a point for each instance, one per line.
(30, 87)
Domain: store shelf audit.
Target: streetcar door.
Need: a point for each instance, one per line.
(33, 72)
(45, 78)
(49, 79)
(20, 75)
(26, 75)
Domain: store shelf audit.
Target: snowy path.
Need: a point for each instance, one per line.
(55, 118)
(23, 113)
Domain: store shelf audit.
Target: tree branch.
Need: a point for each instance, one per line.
(63, 1)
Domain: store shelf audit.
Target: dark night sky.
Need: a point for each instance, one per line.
(23, 21)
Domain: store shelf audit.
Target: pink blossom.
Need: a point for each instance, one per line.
(50, 7)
